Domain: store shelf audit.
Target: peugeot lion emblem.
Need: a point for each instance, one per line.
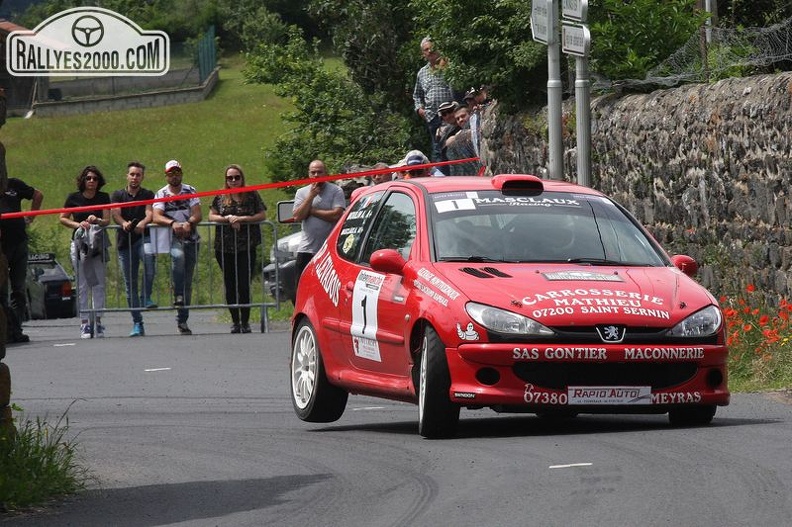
(611, 333)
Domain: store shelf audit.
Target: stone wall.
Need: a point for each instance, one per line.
(705, 167)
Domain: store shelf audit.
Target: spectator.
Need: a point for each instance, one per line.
(431, 90)
(446, 130)
(236, 241)
(415, 158)
(134, 243)
(182, 218)
(460, 146)
(318, 206)
(89, 248)
(383, 177)
(14, 240)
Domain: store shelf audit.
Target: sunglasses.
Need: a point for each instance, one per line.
(233, 178)
(173, 173)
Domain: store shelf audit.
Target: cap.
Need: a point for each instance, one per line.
(170, 165)
(471, 93)
(415, 157)
(448, 105)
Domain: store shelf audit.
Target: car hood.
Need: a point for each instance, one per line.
(575, 295)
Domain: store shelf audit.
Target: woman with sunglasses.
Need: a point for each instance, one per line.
(89, 264)
(237, 237)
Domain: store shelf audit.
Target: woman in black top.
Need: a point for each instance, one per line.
(89, 264)
(236, 242)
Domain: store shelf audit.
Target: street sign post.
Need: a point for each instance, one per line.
(544, 29)
(575, 10)
(575, 40)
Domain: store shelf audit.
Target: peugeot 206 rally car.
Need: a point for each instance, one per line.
(511, 292)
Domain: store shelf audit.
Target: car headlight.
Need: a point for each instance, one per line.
(502, 321)
(702, 323)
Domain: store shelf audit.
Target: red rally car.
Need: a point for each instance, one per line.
(511, 292)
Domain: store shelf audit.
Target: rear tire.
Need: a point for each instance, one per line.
(314, 399)
(438, 417)
(693, 416)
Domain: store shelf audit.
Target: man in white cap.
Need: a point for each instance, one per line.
(416, 158)
(181, 217)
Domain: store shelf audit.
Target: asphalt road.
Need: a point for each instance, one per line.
(199, 431)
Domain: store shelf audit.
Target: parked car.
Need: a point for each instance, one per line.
(50, 289)
(283, 256)
(511, 293)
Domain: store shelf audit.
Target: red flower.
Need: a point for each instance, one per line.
(750, 288)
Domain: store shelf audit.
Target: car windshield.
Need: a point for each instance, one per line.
(550, 227)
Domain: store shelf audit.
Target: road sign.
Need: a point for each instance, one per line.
(575, 10)
(575, 40)
(542, 21)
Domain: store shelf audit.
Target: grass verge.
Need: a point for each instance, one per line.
(38, 463)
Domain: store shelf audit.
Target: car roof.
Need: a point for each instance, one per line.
(526, 182)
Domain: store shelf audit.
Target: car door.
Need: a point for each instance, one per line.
(372, 310)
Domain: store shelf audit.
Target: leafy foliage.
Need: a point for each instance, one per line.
(629, 38)
(487, 43)
(334, 120)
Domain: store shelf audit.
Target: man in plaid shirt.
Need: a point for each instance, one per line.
(431, 90)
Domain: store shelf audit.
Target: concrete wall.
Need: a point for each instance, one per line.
(705, 167)
(150, 99)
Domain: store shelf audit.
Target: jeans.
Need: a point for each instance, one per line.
(432, 126)
(184, 254)
(129, 259)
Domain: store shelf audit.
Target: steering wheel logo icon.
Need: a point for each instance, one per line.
(87, 31)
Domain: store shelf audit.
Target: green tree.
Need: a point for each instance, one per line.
(630, 38)
(333, 118)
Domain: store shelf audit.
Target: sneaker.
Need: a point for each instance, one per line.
(150, 304)
(85, 331)
(183, 328)
(178, 301)
(235, 328)
(19, 338)
(245, 328)
(99, 331)
(137, 330)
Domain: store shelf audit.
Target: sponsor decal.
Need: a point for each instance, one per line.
(351, 230)
(468, 333)
(589, 301)
(529, 202)
(366, 349)
(436, 282)
(691, 353)
(532, 396)
(609, 394)
(676, 398)
(360, 214)
(87, 41)
(431, 293)
(561, 353)
(327, 275)
(585, 276)
(464, 395)
(348, 243)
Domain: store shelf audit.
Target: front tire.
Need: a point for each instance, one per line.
(438, 417)
(693, 416)
(314, 399)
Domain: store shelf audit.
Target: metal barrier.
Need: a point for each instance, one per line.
(207, 281)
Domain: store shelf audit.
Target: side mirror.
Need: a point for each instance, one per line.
(686, 264)
(285, 211)
(387, 261)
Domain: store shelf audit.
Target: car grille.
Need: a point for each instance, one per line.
(559, 375)
(589, 335)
